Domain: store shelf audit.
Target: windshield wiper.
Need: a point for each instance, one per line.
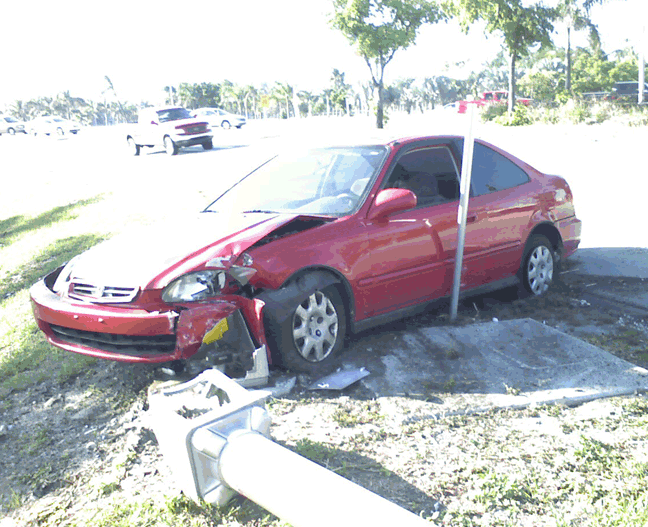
(259, 211)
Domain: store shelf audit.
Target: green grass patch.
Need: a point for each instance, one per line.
(179, 511)
(317, 452)
(12, 228)
(348, 417)
(53, 256)
(32, 359)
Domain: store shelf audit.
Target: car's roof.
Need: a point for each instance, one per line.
(161, 108)
(374, 138)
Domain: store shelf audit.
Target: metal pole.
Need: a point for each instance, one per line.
(462, 212)
(301, 492)
(642, 66)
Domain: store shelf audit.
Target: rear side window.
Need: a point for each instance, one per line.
(493, 172)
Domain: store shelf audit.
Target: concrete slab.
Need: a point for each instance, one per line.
(514, 363)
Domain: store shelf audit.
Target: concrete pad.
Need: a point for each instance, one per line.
(514, 363)
(607, 261)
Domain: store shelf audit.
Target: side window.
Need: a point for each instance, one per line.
(493, 172)
(430, 173)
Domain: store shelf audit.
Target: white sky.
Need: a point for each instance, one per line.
(143, 45)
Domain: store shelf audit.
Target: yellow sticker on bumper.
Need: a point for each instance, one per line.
(216, 333)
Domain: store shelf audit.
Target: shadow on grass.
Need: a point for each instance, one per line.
(12, 228)
(49, 259)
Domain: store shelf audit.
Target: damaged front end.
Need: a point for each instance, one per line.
(227, 330)
(220, 335)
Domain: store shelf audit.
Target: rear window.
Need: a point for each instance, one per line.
(493, 172)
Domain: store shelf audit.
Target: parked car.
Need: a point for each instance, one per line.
(490, 97)
(219, 117)
(312, 245)
(48, 125)
(10, 125)
(627, 91)
(168, 126)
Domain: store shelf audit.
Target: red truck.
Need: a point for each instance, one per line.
(490, 97)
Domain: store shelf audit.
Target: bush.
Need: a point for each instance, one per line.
(492, 111)
(521, 117)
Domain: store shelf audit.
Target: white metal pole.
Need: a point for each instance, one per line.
(462, 212)
(301, 492)
(642, 65)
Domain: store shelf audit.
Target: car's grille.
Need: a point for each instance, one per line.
(126, 344)
(102, 294)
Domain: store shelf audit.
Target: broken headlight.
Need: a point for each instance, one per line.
(194, 286)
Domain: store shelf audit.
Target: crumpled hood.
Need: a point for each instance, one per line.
(135, 258)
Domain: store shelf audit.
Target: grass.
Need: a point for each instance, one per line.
(11, 229)
(47, 260)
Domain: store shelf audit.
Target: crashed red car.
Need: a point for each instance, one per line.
(307, 248)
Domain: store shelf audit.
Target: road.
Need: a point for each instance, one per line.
(604, 164)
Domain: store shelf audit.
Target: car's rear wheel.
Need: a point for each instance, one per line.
(133, 147)
(169, 146)
(538, 265)
(208, 145)
(226, 125)
(312, 336)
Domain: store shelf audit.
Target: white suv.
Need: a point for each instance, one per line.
(169, 126)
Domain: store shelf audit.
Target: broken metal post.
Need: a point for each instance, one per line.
(214, 435)
(301, 492)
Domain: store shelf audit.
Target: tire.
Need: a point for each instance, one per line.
(133, 147)
(208, 145)
(169, 146)
(60, 131)
(312, 336)
(226, 125)
(538, 265)
(11, 131)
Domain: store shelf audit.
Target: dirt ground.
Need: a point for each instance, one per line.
(66, 449)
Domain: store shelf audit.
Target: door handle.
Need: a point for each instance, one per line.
(471, 218)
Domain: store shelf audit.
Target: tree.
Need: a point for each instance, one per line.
(340, 91)
(111, 88)
(522, 27)
(575, 13)
(379, 28)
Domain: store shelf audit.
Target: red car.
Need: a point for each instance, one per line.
(490, 97)
(311, 246)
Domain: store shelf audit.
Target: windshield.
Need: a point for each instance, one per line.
(329, 181)
(173, 114)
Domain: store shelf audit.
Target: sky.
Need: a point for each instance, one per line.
(47, 47)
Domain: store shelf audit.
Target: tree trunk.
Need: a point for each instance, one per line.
(379, 108)
(511, 95)
(569, 65)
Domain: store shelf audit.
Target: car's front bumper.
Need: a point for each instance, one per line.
(183, 140)
(137, 335)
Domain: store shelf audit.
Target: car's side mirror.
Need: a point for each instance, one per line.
(153, 122)
(391, 200)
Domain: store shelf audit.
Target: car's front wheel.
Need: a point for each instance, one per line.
(226, 125)
(11, 131)
(538, 265)
(169, 146)
(208, 145)
(312, 336)
(133, 147)
(60, 131)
